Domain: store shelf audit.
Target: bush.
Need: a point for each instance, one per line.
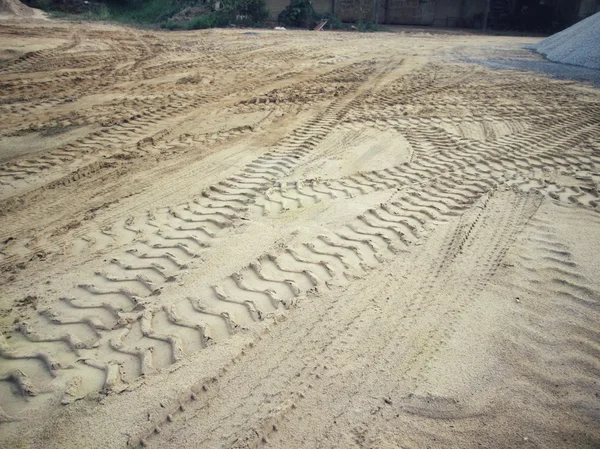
(367, 26)
(170, 25)
(204, 21)
(163, 12)
(333, 22)
(40, 4)
(153, 11)
(252, 11)
(98, 12)
(299, 13)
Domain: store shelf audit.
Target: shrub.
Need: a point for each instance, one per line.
(253, 11)
(151, 11)
(202, 22)
(299, 13)
(333, 22)
(98, 12)
(367, 26)
(163, 12)
(170, 25)
(40, 4)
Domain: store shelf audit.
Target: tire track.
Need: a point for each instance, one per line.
(240, 189)
(352, 251)
(516, 157)
(120, 139)
(119, 298)
(289, 388)
(473, 180)
(119, 308)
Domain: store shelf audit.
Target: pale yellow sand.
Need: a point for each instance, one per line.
(293, 240)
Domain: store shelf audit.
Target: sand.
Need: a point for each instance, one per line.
(577, 45)
(15, 8)
(295, 240)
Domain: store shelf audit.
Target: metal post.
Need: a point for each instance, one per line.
(376, 12)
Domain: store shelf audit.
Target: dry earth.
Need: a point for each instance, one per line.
(293, 240)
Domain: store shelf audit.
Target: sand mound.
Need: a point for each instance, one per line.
(15, 8)
(578, 45)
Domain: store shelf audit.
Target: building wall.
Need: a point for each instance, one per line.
(353, 10)
(447, 11)
(588, 7)
(410, 12)
(451, 13)
(276, 6)
(406, 12)
(323, 6)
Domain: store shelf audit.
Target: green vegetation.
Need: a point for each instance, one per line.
(143, 12)
(232, 12)
(367, 26)
(333, 22)
(299, 13)
(172, 26)
(167, 14)
(302, 14)
(194, 14)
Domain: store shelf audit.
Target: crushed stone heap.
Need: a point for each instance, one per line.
(577, 45)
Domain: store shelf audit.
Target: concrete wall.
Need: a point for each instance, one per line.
(276, 6)
(454, 13)
(446, 11)
(323, 6)
(423, 12)
(442, 13)
(588, 7)
(410, 12)
(355, 10)
(405, 12)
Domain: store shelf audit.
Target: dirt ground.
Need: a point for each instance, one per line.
(240, 239)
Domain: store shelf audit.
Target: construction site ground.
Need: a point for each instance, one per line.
(294, 239)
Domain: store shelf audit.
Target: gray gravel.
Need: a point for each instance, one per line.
(577, 45)
(525, 60)
(548, 68)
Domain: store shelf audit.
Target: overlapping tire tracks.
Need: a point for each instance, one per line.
(114, 316)
(116, 326)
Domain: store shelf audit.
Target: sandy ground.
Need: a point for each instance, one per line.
(294, 240)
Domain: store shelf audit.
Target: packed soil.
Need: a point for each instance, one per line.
(238, 239)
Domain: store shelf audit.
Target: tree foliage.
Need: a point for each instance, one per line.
(299, 13)
(165, 13)
(240, 12)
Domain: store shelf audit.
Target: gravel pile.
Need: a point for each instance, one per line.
(578, 45)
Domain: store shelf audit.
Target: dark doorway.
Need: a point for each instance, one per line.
(543, 16)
